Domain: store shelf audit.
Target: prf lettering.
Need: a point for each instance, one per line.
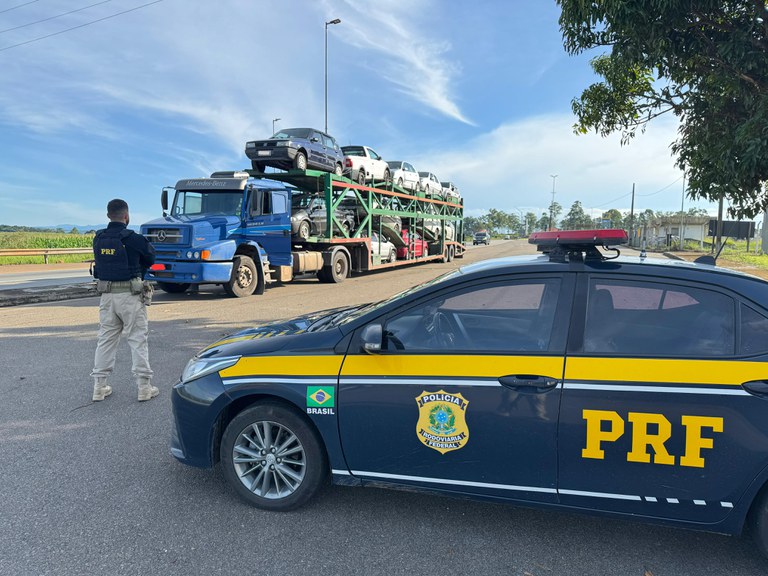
(108, 251)
(650, 430)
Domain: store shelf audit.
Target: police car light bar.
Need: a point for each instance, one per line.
(585, 238)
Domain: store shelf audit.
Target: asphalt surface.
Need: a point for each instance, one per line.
(90, 488)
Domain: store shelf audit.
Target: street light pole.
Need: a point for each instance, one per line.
(273, 124)
(551, 225)
(334, 21)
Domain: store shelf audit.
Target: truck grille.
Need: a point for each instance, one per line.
(165, 235)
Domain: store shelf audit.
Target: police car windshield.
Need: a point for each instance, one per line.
(355, 314)
(197, 203)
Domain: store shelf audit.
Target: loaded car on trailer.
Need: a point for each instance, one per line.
(296, 148)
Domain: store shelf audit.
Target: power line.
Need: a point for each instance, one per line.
(665, 187)
(18, 6)
(80, 25)
(54, 17)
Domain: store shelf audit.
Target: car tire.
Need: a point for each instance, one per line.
(338, 169)
(361, 177)
(392, 255)
(346, 227)
(337, 271)
(294, 465)
(171, 288)
(245, 278)
(399, 182)
(303, 231)
(300, 161)
(387, 177)
(757, 521)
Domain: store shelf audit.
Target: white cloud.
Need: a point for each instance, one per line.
(510, 167)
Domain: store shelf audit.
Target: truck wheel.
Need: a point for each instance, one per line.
(303, 232)
(300, 161)
(361, 176)
(337, 271)
(272, 457)
(244, 278)
(173, 288)
(450, 253)
(338, 169)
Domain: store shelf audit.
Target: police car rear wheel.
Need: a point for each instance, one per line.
(272, 457)
(244, 278)
(757, 522)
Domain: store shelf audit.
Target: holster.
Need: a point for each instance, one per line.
(147, 292)
(103, 286)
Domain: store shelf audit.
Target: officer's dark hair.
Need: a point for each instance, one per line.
(117, 208)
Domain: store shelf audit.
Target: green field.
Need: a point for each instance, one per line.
(11, 240)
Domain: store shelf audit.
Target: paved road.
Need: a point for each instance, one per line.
(43, 275)
(89, 488)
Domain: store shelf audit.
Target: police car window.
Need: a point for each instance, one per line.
(504, 317)
(656, 319)
(754, 332)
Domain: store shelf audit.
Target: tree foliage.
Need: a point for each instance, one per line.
(705, 61)
(577, 219)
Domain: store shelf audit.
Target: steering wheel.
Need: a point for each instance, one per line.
(445, 331)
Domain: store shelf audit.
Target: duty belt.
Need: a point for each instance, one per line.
(117, 286)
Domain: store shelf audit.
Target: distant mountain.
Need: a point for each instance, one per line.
(81, 228)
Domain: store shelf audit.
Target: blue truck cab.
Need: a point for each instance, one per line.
(229, 229)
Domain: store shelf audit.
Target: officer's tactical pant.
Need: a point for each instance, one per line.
(118, 312)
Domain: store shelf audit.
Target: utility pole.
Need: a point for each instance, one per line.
(334, 21)
(682, 216)
(632, 217)
(273, 124)
(551, 206)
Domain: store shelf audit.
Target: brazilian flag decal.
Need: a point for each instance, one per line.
(319, 396)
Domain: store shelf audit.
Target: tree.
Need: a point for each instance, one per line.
(543, 222)
(530, 223)
(74, 230)
(554, 213)
(472, 224)
(576, 219)
(614, 216)
(704, 61)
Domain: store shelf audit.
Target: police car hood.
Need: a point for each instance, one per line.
(314, 327)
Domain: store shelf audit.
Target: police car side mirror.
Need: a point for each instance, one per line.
(371, 337)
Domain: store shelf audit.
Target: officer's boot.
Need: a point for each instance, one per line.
(146, 390)
(100, 388)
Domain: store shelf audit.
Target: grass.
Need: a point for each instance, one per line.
(11, 240)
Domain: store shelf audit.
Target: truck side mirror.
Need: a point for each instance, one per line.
(164, 200)
(371, 338)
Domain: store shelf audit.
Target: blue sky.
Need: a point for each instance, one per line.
(477, 92)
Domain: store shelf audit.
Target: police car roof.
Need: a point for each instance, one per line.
(634, 264)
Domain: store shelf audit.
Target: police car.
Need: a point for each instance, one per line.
(575, 379)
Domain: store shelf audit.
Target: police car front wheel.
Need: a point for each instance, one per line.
(272, 457)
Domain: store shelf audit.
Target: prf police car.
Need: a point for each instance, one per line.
(573, 379)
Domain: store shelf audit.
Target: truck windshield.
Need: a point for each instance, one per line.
(196, 203)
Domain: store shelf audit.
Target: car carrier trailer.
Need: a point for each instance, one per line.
(234, 229)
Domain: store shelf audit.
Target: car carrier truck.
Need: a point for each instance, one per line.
(234, 229)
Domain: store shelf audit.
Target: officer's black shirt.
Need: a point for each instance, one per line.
(141, 254)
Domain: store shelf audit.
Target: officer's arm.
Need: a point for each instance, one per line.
(145, 250)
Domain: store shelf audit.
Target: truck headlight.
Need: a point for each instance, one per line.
(189, 254)
(199, 367)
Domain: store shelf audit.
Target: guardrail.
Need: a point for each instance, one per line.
(44, 252)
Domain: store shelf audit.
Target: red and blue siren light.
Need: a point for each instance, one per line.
(584, 238)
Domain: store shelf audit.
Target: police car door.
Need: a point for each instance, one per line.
(653, 419)
(464, 395)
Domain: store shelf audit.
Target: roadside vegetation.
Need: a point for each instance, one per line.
(39, 240)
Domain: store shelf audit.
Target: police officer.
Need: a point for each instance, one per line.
(121, 259)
